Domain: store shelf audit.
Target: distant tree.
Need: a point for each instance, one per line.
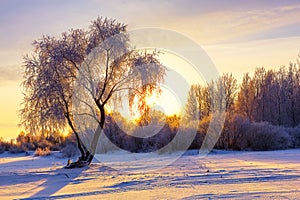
(245, 99)
(224, 98)
(280, 96)
(204, 99)
(293, 94)
(270, 87)
(199, 102)
(191, 110)
(271, 95)
(230, 88)
(216, 96)
(259, 103)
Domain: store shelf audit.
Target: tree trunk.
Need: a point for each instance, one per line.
(82, 160)
(87, 154)
(79, 144)
(96, 137)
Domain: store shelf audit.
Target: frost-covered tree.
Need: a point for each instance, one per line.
(199, 102)
(271, 95)
(204, 100)
(191, 110)
(258, 101)
(245, 99)
(51, 73)
(230, 88)
(216, 96)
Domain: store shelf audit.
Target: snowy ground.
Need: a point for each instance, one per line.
(227, 175)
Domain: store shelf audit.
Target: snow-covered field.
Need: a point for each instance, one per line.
(229, 175)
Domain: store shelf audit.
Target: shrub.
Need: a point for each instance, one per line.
(42, 151)
(201, 132)
(233, 133)
(186, 140)
(17, 148)
(241, 134)
(43, 143)
(2, 148)
(295, 135)
(263, 136)
(69, 151)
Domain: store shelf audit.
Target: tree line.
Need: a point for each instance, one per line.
(262, 113)
(271, 96)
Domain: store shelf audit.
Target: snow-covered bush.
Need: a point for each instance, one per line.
(201, 132)
(241, 134)
(17, 148)
(42, 152)
(295, 135)
(263, 136)
(44, 144)
(2, 148)
(232, 135)
(186, 139)
(69, 151)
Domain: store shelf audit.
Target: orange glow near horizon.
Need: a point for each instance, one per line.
(11, 96)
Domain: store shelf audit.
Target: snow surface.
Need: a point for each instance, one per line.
(220, 175)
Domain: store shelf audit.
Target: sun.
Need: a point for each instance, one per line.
(168, 102)
(152, 99)
(163, 100)
(138, 105)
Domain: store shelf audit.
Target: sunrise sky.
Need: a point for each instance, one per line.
(237, 35)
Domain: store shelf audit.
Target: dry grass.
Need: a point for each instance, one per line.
(42, 152)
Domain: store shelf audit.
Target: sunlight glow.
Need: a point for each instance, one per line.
(166, 102)
(182, 67)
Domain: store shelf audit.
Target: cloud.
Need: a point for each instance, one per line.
(231, 25)
(10, 73)
(10, 65)
(258, 21)
(209, 21)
